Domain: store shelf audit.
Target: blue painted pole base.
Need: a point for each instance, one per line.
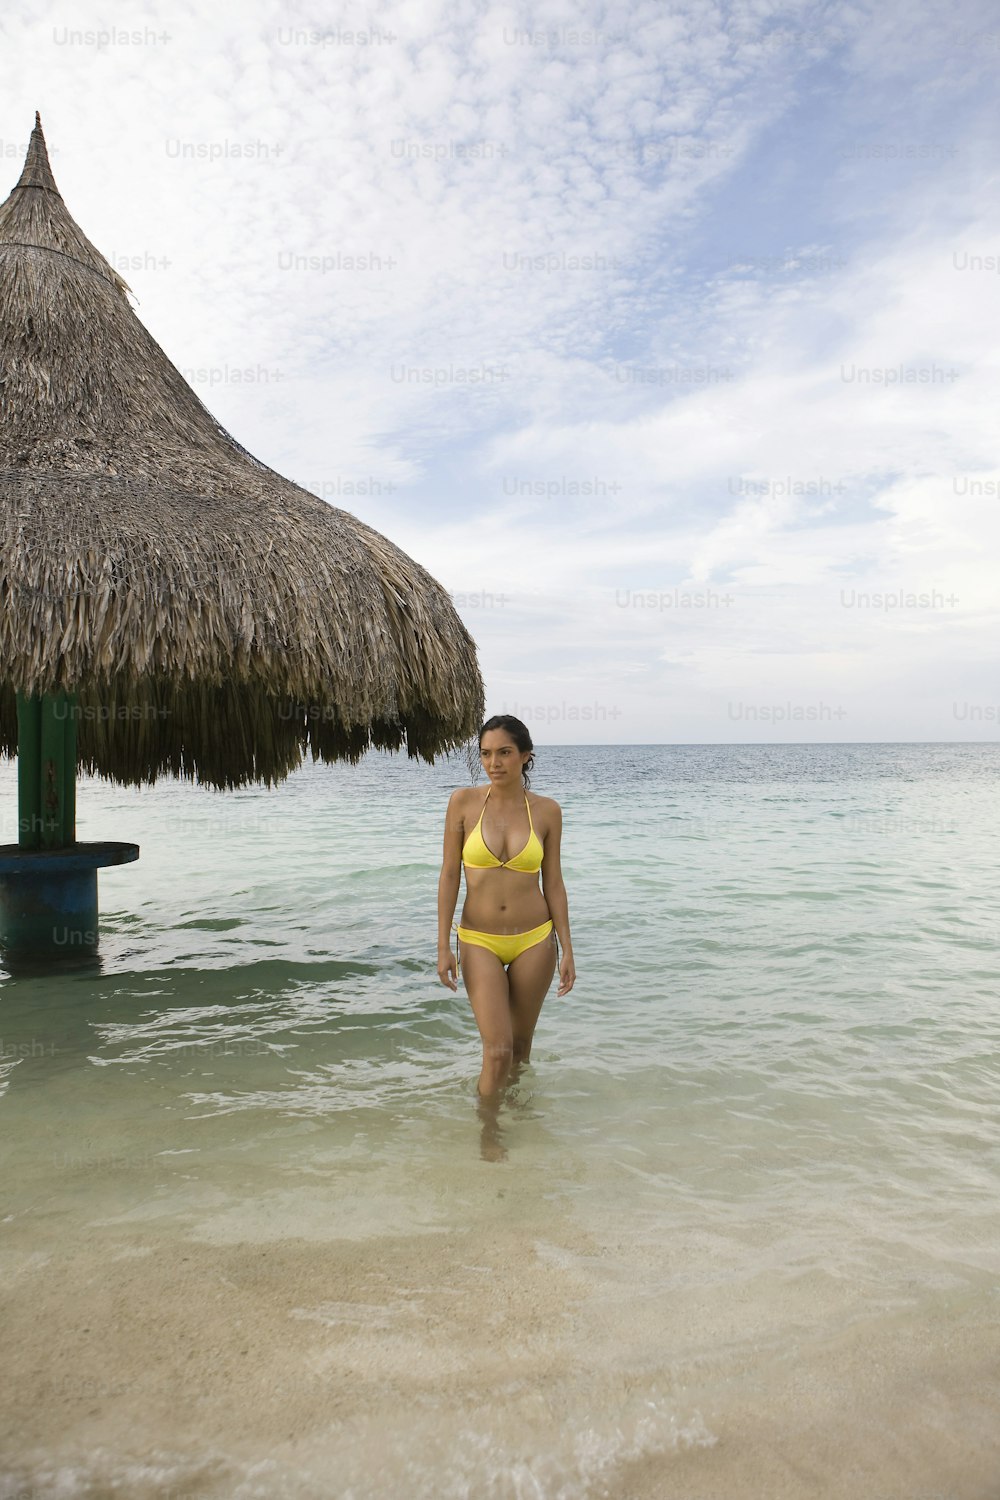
(48, 898)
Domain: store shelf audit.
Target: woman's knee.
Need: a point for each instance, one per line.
(499, 1051)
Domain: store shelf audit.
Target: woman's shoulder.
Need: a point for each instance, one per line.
(463, 797)
(543, 804)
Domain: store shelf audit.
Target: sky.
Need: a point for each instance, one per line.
(664, 335)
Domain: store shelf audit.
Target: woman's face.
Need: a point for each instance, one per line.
(502, 760)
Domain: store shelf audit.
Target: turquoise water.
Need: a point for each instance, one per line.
(739, 1217)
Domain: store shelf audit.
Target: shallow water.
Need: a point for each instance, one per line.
(737, 1232)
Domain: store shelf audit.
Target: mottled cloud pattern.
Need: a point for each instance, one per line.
(662, 334)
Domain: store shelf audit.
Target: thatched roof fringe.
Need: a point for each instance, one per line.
(148, 560)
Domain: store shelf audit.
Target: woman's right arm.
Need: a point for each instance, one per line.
(448, 888)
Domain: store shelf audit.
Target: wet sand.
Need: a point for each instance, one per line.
(478, 1363)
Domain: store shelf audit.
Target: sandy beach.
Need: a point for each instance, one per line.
(445, 1365)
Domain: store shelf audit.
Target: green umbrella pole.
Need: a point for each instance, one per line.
(69, 772)
(46, 771)
(29, 762)
(48, 882)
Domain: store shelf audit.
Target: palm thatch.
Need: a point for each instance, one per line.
(215, 620)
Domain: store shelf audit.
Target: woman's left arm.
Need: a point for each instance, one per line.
(555, 898)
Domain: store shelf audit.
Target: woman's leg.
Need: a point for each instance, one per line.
(486, 986)
(528, 979)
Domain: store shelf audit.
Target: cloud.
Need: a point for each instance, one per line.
(577, 304)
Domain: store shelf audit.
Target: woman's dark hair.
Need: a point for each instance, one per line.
(518, 733)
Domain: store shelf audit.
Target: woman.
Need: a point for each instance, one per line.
(507, 946)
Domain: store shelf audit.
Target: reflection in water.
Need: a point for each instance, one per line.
(511, 1098)
(53, 966)
(491, 1146)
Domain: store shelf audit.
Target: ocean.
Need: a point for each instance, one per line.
(734, 1234)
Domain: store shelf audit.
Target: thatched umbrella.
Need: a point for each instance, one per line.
(165, 598)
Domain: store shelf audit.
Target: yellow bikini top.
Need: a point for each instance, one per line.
(479, 856)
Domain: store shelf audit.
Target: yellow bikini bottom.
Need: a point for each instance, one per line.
(506, 945)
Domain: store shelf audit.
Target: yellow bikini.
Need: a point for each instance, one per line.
(477, 855)
(506, 946)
